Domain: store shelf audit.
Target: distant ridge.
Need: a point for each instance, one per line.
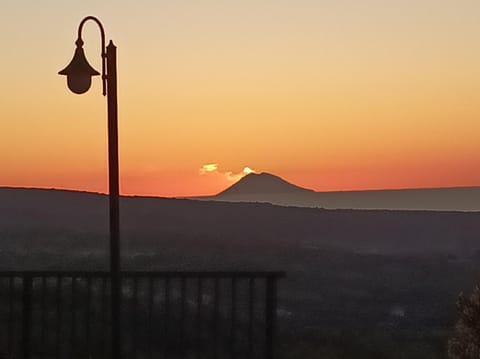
(269, 188)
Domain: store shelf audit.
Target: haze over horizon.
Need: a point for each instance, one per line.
(329, 95)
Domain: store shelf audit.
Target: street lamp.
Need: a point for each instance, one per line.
(79, 78)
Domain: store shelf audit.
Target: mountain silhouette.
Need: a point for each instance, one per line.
(262, 183)
(268, 188)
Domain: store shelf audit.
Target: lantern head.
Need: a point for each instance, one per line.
(79, 72)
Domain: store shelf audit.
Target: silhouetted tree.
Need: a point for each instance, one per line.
(465, 342)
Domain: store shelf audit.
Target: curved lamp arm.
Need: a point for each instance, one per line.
(79, 43)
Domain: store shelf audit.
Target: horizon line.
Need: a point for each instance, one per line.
(193, 196)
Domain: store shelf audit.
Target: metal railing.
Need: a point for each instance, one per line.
(163, 314)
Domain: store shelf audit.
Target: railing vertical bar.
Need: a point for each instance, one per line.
(166, 318)
(11, 308)
(199, 317)
(183, 295)
(151, 296)
(43, 314)
(270, 316)
(216, 316)
(27, 316)
(251, 311)
(87, 314)
(73, 316)
(103, 324)
(58, 318)
(134, 316)
(233, 317)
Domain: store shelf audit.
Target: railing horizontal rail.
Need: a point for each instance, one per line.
(146, 274)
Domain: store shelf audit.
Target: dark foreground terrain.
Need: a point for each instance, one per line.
(360, 284)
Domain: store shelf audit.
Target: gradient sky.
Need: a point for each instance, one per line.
(337, 94)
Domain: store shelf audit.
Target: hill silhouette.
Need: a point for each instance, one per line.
(52, 216)
(268, 188)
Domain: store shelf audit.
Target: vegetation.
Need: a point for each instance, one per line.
(465, 343)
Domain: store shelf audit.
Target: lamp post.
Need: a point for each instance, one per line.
(79, 78)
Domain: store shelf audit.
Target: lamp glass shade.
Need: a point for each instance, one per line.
(79, 72)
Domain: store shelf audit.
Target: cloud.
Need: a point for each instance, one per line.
(248, 170)
(212, 168)
(209, 167)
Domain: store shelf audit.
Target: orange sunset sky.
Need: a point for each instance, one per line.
(328, 94)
